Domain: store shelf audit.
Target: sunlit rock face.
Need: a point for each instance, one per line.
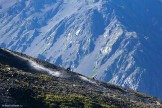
(117, 41)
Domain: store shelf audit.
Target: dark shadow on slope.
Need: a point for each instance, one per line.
(26, 98)
(17, 62)
(98, 26)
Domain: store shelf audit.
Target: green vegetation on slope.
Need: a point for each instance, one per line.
(70, 100)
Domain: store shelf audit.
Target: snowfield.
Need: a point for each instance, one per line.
(87, 80)
(39, 67)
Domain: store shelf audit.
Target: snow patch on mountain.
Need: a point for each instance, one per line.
(38, 66)
(87, 80)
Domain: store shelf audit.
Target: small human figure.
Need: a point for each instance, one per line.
(68, 69)
(94, 77)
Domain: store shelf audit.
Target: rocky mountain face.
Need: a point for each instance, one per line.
(117, 41)
(27, 82)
